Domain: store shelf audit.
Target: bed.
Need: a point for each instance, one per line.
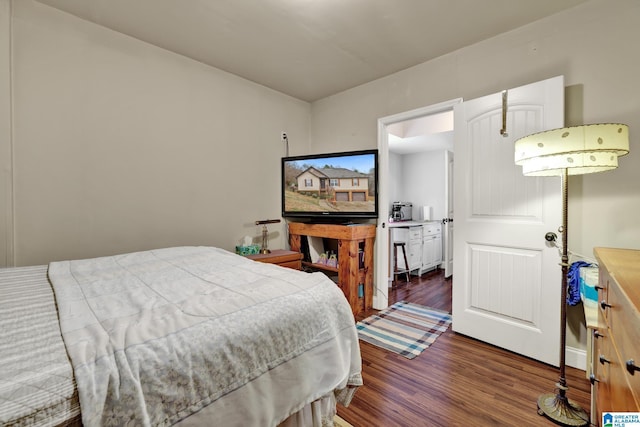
(182, 336)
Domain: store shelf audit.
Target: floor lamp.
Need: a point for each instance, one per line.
(562, 152)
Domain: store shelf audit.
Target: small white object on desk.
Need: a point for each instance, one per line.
(425, 215)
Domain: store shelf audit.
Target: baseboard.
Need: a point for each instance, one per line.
(576, 358)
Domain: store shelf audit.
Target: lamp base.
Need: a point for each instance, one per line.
(265, 251)
(563, 411)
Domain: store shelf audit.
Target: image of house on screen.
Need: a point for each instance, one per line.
(338, 184)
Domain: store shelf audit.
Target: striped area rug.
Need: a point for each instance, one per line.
(404, 328)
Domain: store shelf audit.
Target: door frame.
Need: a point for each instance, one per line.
(381, 294)
(448, 226)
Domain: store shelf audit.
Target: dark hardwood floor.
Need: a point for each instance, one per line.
(458, 381)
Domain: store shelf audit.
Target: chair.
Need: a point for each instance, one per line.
(396, 270)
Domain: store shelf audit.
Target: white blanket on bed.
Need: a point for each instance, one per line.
(155, 336)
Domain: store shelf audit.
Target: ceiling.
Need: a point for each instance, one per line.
(427, 133)
(311, 49)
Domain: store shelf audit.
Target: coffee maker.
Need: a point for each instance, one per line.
(401, 211)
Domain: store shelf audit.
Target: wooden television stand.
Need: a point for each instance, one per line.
(352, 239)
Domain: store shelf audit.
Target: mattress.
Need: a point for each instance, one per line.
(222, 315)
(37, 386)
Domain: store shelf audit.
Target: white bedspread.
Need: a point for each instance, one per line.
(155, 336)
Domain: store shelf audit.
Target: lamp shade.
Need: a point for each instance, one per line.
(578, 149)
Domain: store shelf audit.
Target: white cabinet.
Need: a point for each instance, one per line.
(415, 248)
(423, 244)
(412, 238)
(431, 246)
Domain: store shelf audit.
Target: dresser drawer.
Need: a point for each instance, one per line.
(618, 388)
(602, 371)
(610, 371)
(604, 280)
(621, 318)
(283, 258)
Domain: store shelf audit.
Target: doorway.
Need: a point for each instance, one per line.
(404, 140)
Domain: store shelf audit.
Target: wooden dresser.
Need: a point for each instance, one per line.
(617, 347)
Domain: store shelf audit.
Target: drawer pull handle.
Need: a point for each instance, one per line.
(603, 359)
(604, 305)
(632, 367)
(592, 379)
(597, 334)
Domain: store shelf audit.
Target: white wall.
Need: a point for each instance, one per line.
(593, 45)
(395, 177)
(120, 146)
(423, 175)
(6, 206)
(419, 178)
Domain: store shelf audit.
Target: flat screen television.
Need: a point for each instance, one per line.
(334, 186)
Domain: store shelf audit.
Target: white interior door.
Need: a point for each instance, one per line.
(506, 280)
(447, 232)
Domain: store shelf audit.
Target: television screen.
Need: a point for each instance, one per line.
(336, 185)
